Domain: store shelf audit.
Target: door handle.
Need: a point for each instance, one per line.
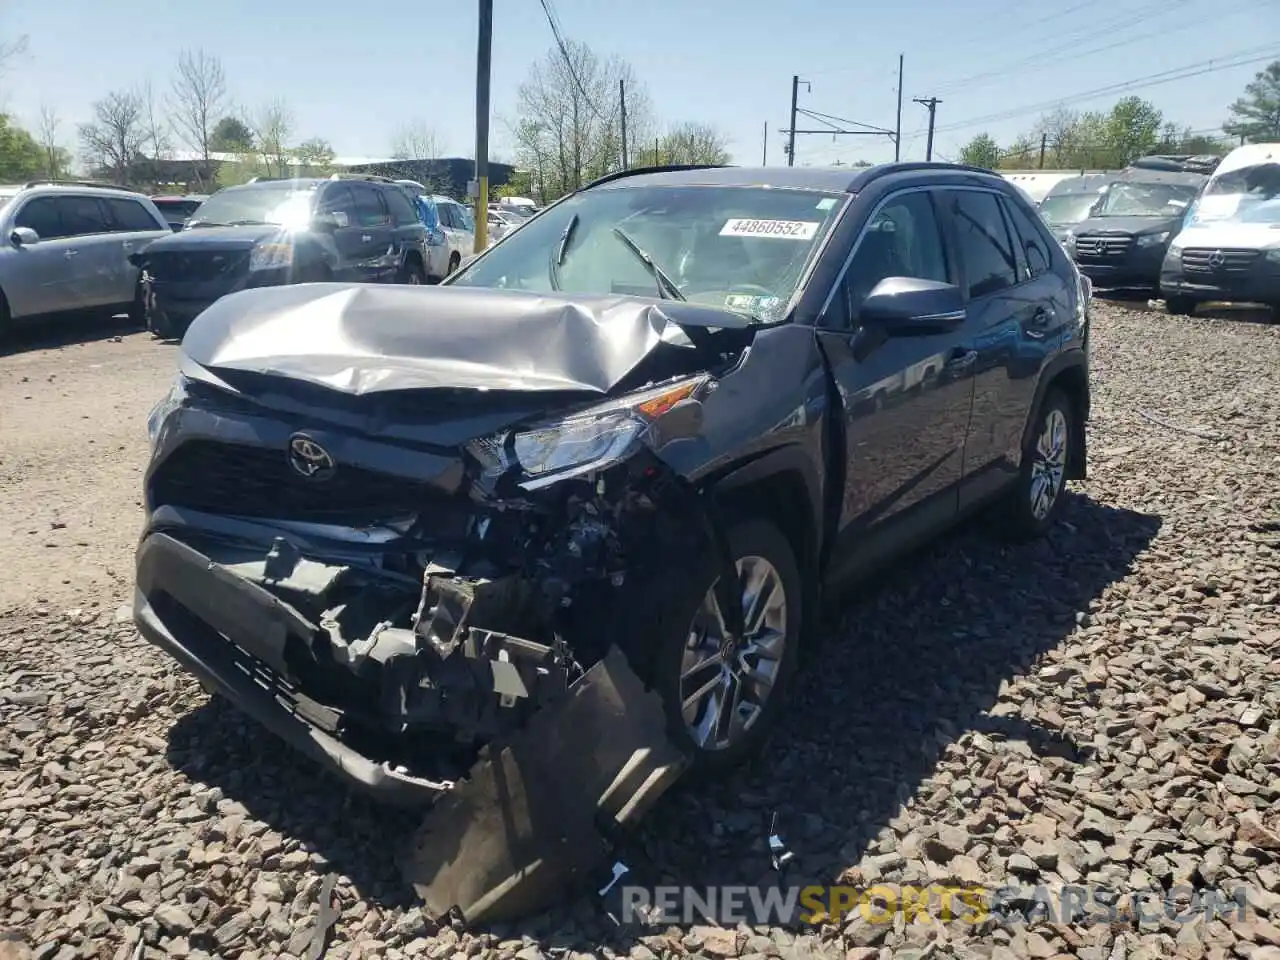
(961, 359)
(71, 253)
(366, 238)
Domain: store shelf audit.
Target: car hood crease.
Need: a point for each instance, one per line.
(362, 339)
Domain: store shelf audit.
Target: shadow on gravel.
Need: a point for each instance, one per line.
(918, 660)
(48, 334)
(1235, 312)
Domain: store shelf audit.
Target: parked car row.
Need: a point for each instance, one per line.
(1193, 229)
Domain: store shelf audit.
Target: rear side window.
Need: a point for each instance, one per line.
(132, 216)
(41, 215)
(1035, 247)
(370, 211)
(984, 242)
(82, 216)
(446, 215)
(401, 207)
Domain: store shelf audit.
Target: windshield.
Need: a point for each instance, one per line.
(1267, 211)
(1067, 208)
(1146, 199)
(283, 203)
(741, 248)
(1260, 181)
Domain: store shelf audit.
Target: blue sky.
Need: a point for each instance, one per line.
(353, 75)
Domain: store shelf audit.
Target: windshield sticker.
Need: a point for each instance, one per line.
(778, 229)
(826, 203)
(748, 303)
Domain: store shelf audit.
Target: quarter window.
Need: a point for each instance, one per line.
(984, 242)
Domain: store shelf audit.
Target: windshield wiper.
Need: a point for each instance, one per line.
(667, 288)
(557, 258)
(249, 223)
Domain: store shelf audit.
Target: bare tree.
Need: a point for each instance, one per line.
(416, 140)
(1061, 132)
(157, 132)
(694, 143)
(198, 100)
(273, 127)
(55, 155)
(570, 108)
(113, 141)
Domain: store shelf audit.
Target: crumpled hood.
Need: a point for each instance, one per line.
(365, 338)
(1128, 226)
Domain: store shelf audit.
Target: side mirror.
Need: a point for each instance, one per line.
(24, 237)
(906, 306)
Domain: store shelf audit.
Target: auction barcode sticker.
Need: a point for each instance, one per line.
(780, 229)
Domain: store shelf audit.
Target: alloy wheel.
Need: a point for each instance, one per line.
(725, 681)
(1049, 466)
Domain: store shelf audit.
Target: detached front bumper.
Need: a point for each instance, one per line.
(188, 606)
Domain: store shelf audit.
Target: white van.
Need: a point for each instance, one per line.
(1229, 246)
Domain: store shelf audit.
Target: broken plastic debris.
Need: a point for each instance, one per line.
(778, 851)
(620, 870)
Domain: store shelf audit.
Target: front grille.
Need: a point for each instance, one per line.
(195, 266)
(258, 482)
(1098, 248)
(1207, 260)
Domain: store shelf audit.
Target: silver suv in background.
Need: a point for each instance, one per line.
(65, 246)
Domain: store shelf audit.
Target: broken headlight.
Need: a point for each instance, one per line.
(589, 440)
(171, 401)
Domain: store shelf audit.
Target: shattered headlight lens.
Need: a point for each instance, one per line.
(271, 256)
(174, 399)
(586, 441)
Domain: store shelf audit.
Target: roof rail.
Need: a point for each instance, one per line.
(76, 183)
(375, 178)
(641, 171)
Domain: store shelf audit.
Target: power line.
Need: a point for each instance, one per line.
(1217, 64)
(554, 23)
(1040, 60)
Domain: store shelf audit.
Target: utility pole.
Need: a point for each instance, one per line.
(791, 141)
(931, 104)
(1044, 142)
(622, 94)
(897, 132)
(764, 151)
(484, 56)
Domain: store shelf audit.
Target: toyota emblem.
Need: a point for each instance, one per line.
(1216, 259)
(309, 459)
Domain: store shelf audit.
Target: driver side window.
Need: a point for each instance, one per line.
(903, 239)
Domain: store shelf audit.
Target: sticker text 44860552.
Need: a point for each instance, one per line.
(776, 229)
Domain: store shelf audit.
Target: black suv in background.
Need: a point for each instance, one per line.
(663, 416)
(272, 232)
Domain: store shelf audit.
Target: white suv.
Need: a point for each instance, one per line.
(65, 246)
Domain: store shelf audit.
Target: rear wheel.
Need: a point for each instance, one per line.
(454, 261)
(1180, 306)
(6, 318)
(138, 306)
(1036, 498)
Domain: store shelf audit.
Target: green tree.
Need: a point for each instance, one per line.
(981, 151)
(315, 157)
(1132, 129)
(1256, 115)
(694, 143)
(21, 157)
(231, 135)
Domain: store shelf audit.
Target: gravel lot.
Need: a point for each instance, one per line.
(1102, 707)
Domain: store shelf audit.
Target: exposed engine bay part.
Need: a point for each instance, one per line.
(533, 817)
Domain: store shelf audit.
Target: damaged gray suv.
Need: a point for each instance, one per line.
(625, 450)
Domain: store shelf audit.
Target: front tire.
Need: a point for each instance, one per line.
(722, 694)
(1035, 501)
(1180, 306)
(138, 307)
(455, 260)
(413, 274)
